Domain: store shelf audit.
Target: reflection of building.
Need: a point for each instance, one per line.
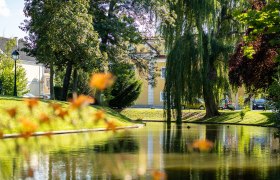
(37, 75)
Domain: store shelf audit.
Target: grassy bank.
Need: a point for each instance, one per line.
(261, 118)
(86, 118)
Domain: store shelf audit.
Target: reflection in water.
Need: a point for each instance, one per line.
(239, 152)
(118, 145)
(173, 141)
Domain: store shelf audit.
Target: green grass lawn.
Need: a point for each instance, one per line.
(231, 117)
(83, 119)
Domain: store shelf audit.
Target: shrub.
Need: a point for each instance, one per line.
(243, 112)
(274, 94)
(126, 89)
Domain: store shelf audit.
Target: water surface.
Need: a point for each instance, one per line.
(239, 152)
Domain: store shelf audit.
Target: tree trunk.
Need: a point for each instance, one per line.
(209, 75)
(210, 104)
(75, 81)
(66, 81)
(51, 81)
(178, 106)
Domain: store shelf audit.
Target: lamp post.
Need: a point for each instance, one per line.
(15, 56)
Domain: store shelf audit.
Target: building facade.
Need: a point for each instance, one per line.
(152, 96)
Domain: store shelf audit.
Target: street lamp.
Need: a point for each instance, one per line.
(15, 56)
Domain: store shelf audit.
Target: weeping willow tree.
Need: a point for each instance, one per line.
(198, 44)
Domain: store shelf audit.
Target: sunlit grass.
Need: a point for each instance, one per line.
(227, 116)
(158, 114)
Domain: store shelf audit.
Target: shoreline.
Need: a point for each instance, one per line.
(217, 123)
(62, 132)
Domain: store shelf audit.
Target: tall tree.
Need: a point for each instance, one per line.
(199, 43)
(61, 34)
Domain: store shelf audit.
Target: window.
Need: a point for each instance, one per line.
(163, 72)
(162, 96)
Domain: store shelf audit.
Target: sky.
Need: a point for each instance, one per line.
(11, 16)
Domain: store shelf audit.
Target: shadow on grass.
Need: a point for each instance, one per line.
(225, 116)
(271, 119)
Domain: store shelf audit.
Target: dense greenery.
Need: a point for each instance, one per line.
(199, 42)
(254, 61)
(7, 71)
(126, 88)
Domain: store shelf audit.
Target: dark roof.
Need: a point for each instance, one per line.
(22, 54)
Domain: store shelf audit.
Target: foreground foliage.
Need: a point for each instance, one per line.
(27, 116)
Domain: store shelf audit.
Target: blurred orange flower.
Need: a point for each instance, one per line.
(12, 112)
(203, 145)
(28, 126)
(62, 113)
(31, 103)
(81, 101)
(55, 106)
(111, 126)
(1, 134)
(101, 81)
(99, 114)
(158, 175)
(44, 118)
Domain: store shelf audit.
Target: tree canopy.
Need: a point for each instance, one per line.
(61, 33)
(254, 60)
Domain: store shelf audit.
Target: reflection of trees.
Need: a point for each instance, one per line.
(166, 138)
(237, 153)
(97, 161)
(212, 132)
(118, 145)
(173, 142)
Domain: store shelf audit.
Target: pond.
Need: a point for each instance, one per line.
(237, 152)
